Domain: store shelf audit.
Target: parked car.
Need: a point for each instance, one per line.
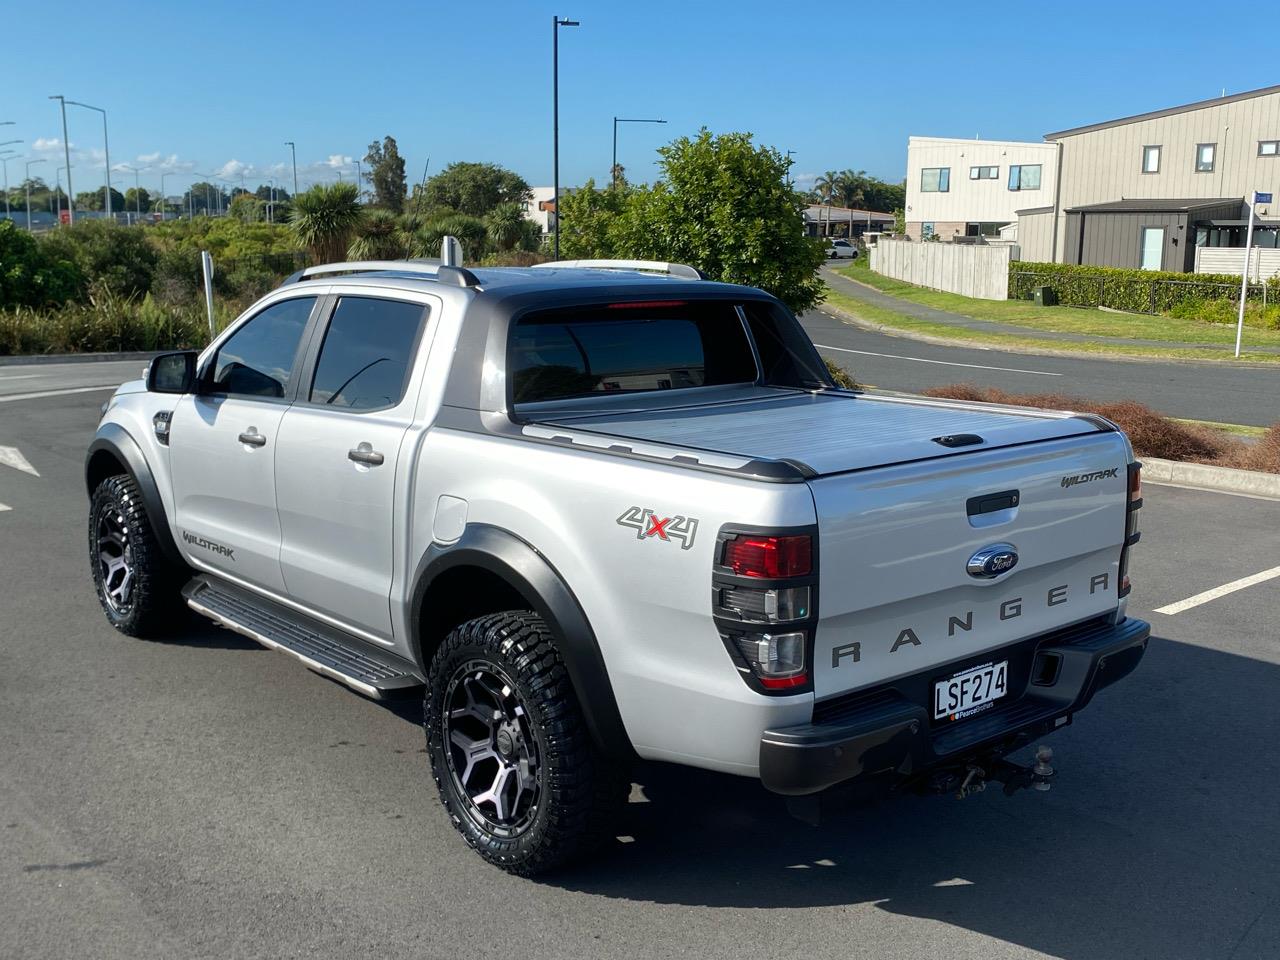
(601, 510)
(840, 249)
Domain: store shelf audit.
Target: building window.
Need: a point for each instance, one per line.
(935, 180)
(983, 229)
(926, 231)
(1151, 159)
(984, 173)
(1204, 157)
(1025, 177)
(1268, 148)
(1152, 248)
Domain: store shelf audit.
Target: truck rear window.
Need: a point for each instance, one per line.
(629, 348)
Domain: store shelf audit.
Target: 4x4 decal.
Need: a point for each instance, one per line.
(646, 524)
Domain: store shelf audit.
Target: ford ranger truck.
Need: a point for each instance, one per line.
(599, 511)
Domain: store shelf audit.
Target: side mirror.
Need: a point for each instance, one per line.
(172, 372)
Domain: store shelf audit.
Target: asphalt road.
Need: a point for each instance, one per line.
(1196, 390)
(207, 798)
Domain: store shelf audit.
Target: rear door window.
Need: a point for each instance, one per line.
(629, 348)
(368, 347)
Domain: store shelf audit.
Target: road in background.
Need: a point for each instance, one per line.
(20, 380)
(204, 797)
(1194, 390)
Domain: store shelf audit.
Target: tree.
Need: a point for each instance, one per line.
(325, 218)
(826, 185)
(509, 229)
(588, 218)
(247, 208)
(386, 173)
(724, 205)
(135, 199)
(204, 197)
(475, 188)
(96, 200)
(379, 237)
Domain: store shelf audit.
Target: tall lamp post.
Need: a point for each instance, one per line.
(164, 206)
(26, 182)
(5, 157)
(613, 170)
(66, 154)
(556, 24)
(137, 189)
(106, 149)
(293, 152)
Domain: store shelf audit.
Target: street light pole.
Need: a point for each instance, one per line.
(5, 160)
(66, 153)
(293, 150)
(613, 175)
(26, 182)
(556, 24)
(359, 180)
(163, 205)
(106, 149)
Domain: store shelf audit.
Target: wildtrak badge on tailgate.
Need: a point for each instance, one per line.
(1086, 477)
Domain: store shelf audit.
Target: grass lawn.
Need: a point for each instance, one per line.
(1094, 323)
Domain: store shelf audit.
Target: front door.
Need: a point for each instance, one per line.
(1152, 248)
(223, 447)
(336, 461)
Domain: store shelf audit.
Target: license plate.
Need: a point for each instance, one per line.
(967, 693)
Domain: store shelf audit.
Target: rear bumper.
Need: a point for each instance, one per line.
(883, 731)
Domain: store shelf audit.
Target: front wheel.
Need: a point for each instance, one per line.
(510, 753)
(135, 582)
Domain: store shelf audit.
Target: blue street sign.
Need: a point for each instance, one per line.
(1261, 197)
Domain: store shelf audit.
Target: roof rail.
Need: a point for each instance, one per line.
(427, 268)
(653, 266)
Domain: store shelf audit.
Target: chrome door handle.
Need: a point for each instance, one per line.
(365, 454)
(253, 439)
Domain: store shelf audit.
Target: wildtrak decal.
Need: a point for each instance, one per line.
(217, 548)
(1089, 477)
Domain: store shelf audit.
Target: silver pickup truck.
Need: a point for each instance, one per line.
(604, 510)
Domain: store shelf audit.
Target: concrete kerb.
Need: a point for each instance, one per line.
(42, 358)
(1203, 476)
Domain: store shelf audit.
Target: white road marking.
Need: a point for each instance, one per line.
(1216, 592)
(54, 393)
(4, 507)
(24, 376)
(12, 457)
(945, 363)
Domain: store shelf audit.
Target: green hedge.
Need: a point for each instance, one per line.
(1139, 291)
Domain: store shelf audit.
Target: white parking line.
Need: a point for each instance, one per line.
(54, 393)
(945, 363)
(4, 507)
(1216, 592)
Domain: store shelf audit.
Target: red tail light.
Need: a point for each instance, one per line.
(769, 558)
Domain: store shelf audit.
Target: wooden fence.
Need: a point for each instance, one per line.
(1264, 262)
(971, 270)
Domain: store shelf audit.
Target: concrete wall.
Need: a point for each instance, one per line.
(1263, 262)
(1102, 165)
(1035, 235)
(970, 270)
(974, 201)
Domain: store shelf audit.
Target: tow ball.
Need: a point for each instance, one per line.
(1015, 776)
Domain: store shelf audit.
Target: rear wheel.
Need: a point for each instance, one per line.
(510, 752)
(136, 584)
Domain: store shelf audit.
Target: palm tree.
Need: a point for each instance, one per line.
(826, 185)
(505, 225)
(324, 219)
(849, 185)
(379, 237)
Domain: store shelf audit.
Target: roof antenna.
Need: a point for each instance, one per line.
(417, 208)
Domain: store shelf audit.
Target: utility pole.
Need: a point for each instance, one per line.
(293, 150)
(26, 182)
(66, 153)
(556, 24)
(106, 150)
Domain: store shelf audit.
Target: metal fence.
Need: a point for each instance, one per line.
(1133, 294)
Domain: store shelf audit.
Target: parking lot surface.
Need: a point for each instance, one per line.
(204, 797)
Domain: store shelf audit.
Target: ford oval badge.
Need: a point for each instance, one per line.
(992, 561)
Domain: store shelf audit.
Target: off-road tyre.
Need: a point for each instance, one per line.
(578, 791)
(149, 603)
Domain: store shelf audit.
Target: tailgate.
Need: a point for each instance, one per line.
(895, 594)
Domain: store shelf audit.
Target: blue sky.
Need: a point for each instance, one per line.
(194, 87)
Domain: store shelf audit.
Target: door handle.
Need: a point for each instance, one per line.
(365, 454)
(253, 438)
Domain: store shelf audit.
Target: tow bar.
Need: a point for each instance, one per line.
(1014, 776)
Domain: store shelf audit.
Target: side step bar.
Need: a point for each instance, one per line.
(359, 664)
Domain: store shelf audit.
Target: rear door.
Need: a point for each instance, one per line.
(896, 595)
(336, 465)
(222, 445)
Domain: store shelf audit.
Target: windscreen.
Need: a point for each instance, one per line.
(639, 347)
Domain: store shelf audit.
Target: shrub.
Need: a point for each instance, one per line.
(29, 276)
(378, 237)
(840, 376)
(107, 256)
(1138, 291)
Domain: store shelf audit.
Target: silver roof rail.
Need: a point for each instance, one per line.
(650, 266)
(427, 268)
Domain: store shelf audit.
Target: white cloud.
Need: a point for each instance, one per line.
(46, 144)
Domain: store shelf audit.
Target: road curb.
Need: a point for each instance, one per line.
(42, 358)
(1207, 477)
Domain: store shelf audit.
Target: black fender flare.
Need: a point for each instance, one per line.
(115, 440)
(530, 574)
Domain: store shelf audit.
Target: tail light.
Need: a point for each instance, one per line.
(1131, 533)
(763, 599)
